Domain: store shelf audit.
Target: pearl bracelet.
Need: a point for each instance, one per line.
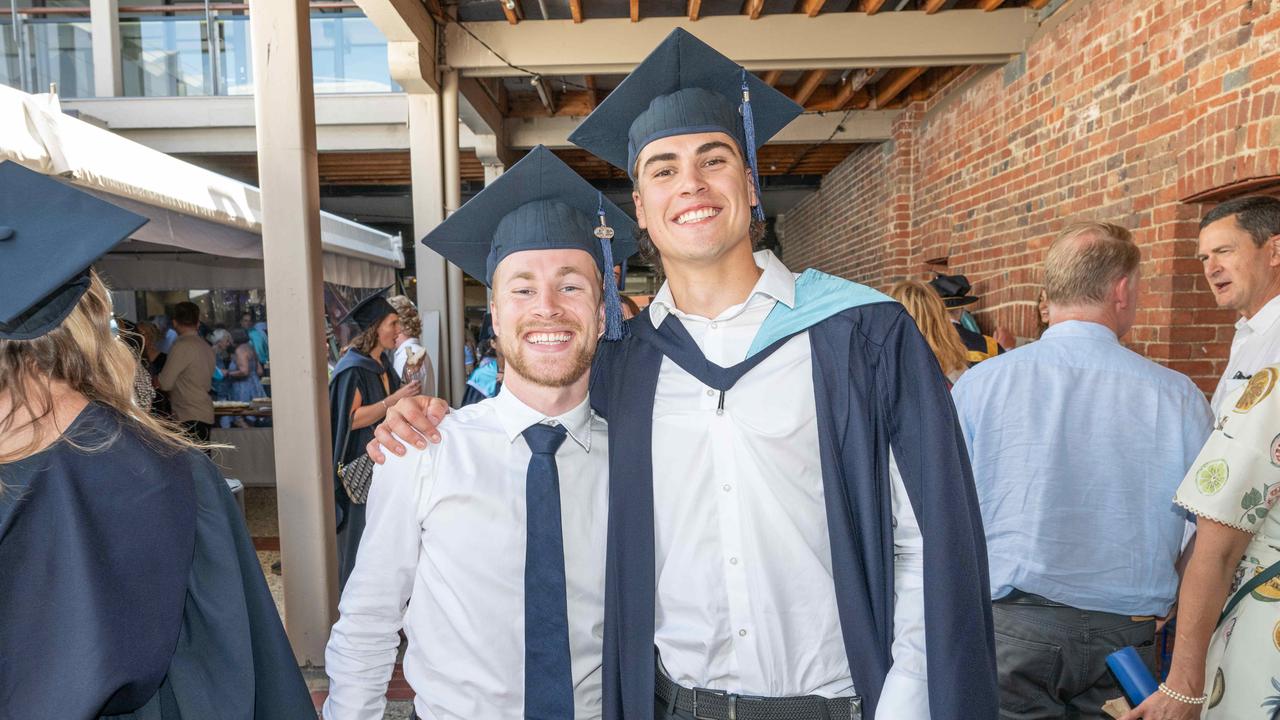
(1183, 698)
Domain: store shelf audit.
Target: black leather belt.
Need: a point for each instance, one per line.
(1017, 597)
(706, 704)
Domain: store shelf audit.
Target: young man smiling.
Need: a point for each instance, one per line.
(793, 529)
(498, 536)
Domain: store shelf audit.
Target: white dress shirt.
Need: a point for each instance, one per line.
(446, 535)
(746, 599)
(1255, 346)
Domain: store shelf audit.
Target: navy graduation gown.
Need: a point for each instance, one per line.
(131, 589)
(354, 371)
(877, 385)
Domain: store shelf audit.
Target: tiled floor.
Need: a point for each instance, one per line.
(260, 512)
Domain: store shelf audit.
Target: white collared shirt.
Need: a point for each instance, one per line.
(446, 535)
(746, 599)
(1255, 346)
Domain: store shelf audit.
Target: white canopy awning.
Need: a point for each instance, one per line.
(189, 207)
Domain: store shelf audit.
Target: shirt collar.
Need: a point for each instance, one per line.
(1081, 328)
(1264, 318)
(776, 283)
(516, 417)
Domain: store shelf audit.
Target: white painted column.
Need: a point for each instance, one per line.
(452, 200)
(104, 27)
(426, 173)
(284, 106)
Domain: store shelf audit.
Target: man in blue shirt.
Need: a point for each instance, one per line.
(1077, 446)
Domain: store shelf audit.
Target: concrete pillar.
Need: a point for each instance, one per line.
(452, 200)
(284, 106)
(104, 27)
(426, 174)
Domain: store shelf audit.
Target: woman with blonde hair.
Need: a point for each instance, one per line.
(131, 588)
(927, 309)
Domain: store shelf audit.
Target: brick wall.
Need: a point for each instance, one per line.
(1118, 112)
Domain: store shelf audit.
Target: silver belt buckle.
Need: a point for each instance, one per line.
(855, 707)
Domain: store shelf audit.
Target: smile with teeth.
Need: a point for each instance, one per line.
(696, 215)
(548, 338)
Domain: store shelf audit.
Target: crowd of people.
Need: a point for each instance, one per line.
(766, 495)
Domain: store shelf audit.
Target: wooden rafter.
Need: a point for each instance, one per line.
(933, 6)
(770, 77)
(933, 81)
(811, 7)
(870, 7)
(892, 85)
(575, 7)
(753, 8)
(695, 9)
(845, 94)
(593, 95)
(511, 8)
(808, 83)
(989, 5)
(1037, 4)
(635, 10)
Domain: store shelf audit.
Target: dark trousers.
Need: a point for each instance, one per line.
(1052, 660)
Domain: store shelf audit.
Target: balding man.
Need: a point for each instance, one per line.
(1078, 445)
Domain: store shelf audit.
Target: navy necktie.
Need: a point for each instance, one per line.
(548, 679)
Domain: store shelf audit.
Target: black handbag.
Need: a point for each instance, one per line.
(356, 477)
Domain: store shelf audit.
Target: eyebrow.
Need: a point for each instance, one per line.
(563, 271)
(702, 150)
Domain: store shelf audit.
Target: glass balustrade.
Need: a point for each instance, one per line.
(175, 56)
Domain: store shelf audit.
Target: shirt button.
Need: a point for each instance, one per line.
(733, 561)
(710, 392)
(726, 487)
(715, 325)
(742, 633)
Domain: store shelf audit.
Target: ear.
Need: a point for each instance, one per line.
(1121, 296)
(640, 220)
(1273, 243)
(493, 317)
(600, 317)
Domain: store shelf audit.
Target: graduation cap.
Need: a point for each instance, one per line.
(538, 204)
(685, 87)
(50, 234)
(954, 290)
(370, 311)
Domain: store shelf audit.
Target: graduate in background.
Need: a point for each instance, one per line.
(130, 586)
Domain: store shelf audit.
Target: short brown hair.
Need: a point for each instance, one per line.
(186, 314)
(1085, 260)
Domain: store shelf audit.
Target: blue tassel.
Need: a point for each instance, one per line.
(613, 328)
(749, 125)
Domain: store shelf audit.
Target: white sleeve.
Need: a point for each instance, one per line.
(906, 688)
(362, 645)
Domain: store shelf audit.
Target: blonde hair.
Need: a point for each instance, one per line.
(925, 307)
(81, 353)
(1085, 260)
(410, 322)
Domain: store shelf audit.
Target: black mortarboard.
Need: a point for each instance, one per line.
(370, 311)
(954, 290)
(683, 87)
(50, 233)
(538, 204)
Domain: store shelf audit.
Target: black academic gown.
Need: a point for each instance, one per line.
(129, 588)
(354, 371)
(877, 386)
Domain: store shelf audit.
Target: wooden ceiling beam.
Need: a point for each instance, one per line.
(989, 5)
(753, 8)
(695, 9)
(808, 83)
(933, 6)
(635, 10)
(812, 7)
(1037, 4)
(593, 95)
(853, 84)
(575, 8)
(892, 85)
(770, 77)
(870, 7)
